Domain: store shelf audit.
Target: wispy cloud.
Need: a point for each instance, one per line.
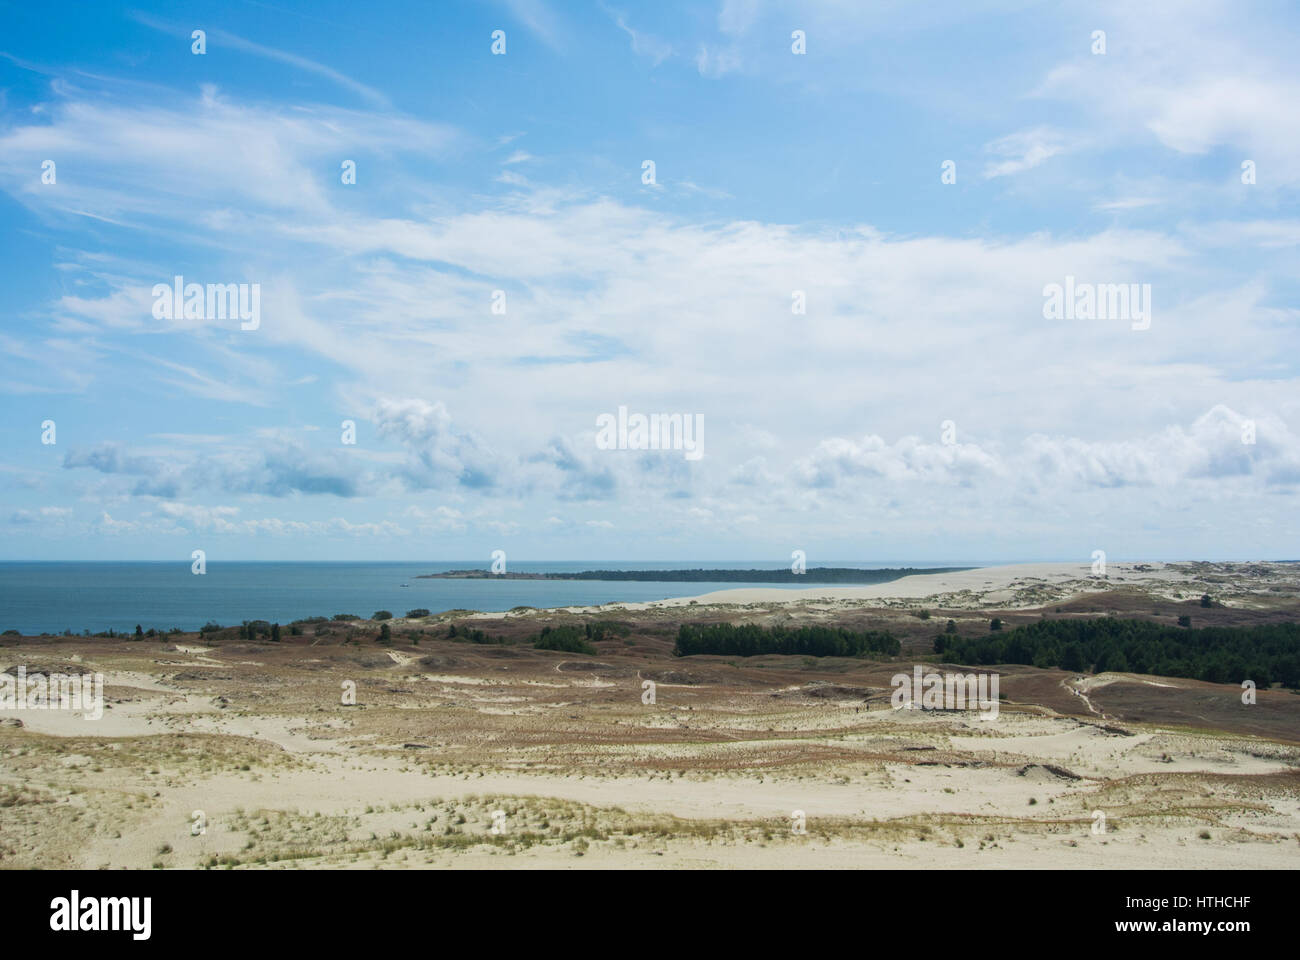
(243, 45)
(643, 44)
(1018, 152)
(540, 19)
(1126, 203)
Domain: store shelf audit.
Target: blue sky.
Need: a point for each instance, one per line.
(774, 173)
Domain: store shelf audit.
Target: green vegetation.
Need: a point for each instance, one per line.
(382, 615)
(749, 640)
(417, 612)
(568, 639)
(473, 636)
(249, 629)
(606, 630)
(1265, 654)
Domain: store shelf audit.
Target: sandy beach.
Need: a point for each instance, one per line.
(1010, 586)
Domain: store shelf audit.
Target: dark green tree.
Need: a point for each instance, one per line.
(566, 638)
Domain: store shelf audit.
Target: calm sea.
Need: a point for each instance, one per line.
(53, 597)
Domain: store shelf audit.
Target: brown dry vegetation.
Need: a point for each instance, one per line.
(445, 732)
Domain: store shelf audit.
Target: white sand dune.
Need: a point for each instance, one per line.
(991, 583)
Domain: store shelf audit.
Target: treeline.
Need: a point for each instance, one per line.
(111, 634)
(1265, 654)
(751, 640)
(813, 575)
(783, 575)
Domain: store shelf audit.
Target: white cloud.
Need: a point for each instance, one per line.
(643, 44)
(540, 19)
(1125, 203)
(611, 303)
(1022, 151)
(717, 62)
(1196, 77)
(221, 38)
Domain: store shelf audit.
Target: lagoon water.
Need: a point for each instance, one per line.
(53, 597)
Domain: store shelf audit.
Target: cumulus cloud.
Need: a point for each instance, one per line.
(837, 460)
(486, 419)
(1219, 445)
(274, 472)
(44, 516)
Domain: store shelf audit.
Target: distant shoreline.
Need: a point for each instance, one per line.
(848, 575)
(41, 605)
